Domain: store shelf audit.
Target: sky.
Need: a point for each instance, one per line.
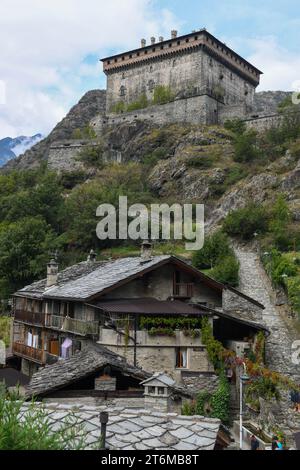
(50, 49)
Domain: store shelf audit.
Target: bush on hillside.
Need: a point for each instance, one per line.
(215, 249)
(244, 223)
(227, 271)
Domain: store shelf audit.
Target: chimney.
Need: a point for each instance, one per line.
(143, 42)
(92, 257)
(158, 392)
(161, 39)
(146, 250)
(153, 40)
(174, 34)
(52, 273)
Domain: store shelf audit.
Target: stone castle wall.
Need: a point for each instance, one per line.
(188, 74)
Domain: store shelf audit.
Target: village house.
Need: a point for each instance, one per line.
(148, 309)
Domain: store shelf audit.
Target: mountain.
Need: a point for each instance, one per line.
(11, 148)
(91, 104)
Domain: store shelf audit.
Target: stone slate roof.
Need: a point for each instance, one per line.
(135, 429)
(87, 279)
(67, 371)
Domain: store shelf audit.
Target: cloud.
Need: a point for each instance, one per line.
(46, 43)
(281, 68)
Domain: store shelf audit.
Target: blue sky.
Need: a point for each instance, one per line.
(52, 47)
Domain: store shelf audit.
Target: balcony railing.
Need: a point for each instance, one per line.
(184, 290)
(34, 318)
(71, 325)
(35, 354)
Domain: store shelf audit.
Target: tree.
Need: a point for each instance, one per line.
(25, 248)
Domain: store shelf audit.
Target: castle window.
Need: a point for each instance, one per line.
(178, 43)
(161, 47)
(108, 62)
(170, 45)
(123, 75)
(116, 60)
(153, 50)
(151, 68)
(130, 56)
(123, 58)
(137, 54)
(174, 62)
(187, 40)
(211, 62)
(122, 91)
(196, 38)
(151, 85)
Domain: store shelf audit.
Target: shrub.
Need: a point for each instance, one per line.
(91, 156)
(220, 400)
(140, 103)
(245, 147)
(34, 431)
(235, 125)
(5, 324)
(86, 132)
(227, 271)
(243, 223)
(162, 94)
(201, 161)
(215, 248)
(293, 289)
(119, 107)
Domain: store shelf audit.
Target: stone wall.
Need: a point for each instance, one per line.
(200, 109)
(187, 74)
(233, 302)
(63, 156)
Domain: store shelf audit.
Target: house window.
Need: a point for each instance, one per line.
(181, 358)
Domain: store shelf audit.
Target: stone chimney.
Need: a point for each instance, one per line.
(143, 42)
(52, 273)
(146, 250)
(158, 392)
(92, 257)
(174, 34)
(153, 40)
(161, 39)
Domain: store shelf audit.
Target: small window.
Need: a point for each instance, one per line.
(151, 390)
(181, 358)
(196, 38)
(161, 47)
(122, 91)
(138, 54)
(151, 85)
(170, 45)
(145, 52)
(178, 43)
(123, 58)
(130, 56)
(108, 62)
(161, 390)
(153, 50)
(187, 40)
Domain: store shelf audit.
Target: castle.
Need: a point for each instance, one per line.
(202, 79)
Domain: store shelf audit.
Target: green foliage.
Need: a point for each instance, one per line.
(243, 223)
(173, 323)
(280, 219)
(246, 147)
(227, 271)
(215, 248)
(151, 159)
(262, 387)
(161, 332)
(92, 156)
(162, 94)
(140, 103)
(220, 400)
(5, 324)
(293, 289)
(34, 431)
(25, 247)
(214, 347)
(219, 256)
(201, 161)
(119, 107)
(237, 126)
(86, 132)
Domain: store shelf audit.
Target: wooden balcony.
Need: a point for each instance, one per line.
(33, 318)
(71, 325)
(33, 354)
(184, 290)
